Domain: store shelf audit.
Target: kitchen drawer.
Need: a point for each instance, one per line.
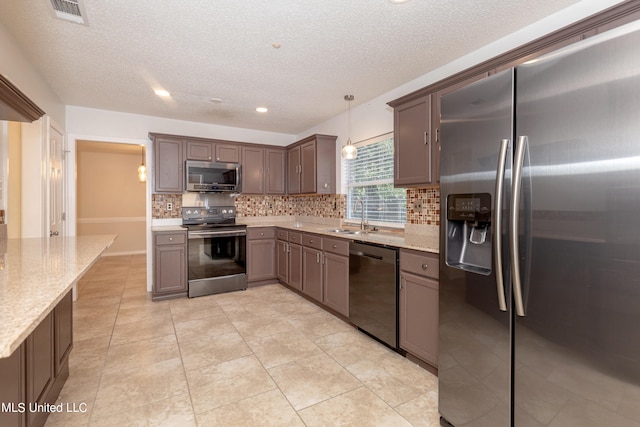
(282, 234)
(261, 233)
(420, 263)
(336, 246)
(177, 238)
(295, 237)
(312, 241)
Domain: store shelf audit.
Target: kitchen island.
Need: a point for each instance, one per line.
(37, 279)
(35, 274)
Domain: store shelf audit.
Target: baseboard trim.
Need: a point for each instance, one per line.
(120, 253)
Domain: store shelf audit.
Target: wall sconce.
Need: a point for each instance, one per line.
(142, 169)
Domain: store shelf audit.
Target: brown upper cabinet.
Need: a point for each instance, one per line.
(227, 153)
(212, 151)
(275, 161)
(167, 165)
(413, 143)
(263, 170)
(199, 150)
(312, 165)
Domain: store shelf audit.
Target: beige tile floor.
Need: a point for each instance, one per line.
(264, 356)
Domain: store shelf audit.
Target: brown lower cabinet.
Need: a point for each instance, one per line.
(335, 275)
(261, 254)
(318, 266)
(418, 311)
(169, 264)
(13, 388)
(289, 258)
(35, 373)
(312, 272)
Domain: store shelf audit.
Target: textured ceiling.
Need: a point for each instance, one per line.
(201, 49)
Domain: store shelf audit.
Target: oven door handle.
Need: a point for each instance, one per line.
(205, 234)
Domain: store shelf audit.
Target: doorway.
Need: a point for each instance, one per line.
(110, 198)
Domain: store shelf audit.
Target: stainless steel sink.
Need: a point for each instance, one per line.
(346, 231)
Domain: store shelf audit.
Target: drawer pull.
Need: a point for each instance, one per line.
(335, 246)
(262, 234)
(425, 266)
(170, 238)
(310, 241)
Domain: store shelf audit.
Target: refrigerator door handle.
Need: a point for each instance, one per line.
(514, 222)
(497, 223)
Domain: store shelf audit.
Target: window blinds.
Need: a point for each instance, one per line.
(369, 177)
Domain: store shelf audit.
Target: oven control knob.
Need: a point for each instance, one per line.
(189, 212)
(224, 211)
(230, 211)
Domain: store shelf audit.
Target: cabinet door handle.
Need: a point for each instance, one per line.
(318, 258)
(401, 282)
(426, 138)
(288, 248)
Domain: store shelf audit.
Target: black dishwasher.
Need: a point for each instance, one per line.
(373, 290)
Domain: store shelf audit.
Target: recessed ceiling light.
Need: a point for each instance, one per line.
(261, 110)
(398, 1)
(216, 100)
(161, 92)
(276, 45)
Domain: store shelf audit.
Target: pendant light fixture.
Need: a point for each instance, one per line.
(349, 151)
(142, 169)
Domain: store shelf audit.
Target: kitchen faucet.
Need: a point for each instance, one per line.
(363, 223)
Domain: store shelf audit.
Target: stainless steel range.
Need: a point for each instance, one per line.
(216, 250)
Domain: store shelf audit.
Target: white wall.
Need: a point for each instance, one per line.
(33, 178)
(16, 67)
(374, 117)
(111, 124)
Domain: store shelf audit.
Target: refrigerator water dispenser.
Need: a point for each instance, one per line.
(469, 238)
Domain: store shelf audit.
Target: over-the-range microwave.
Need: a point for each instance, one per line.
(212, 177)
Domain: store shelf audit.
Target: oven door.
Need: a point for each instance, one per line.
(217, 261)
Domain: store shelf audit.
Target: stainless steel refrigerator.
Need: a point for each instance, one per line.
(540, 241)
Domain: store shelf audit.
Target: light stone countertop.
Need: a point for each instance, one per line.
(418, 238)
(35, 274)
(423, 238)
(168, 228)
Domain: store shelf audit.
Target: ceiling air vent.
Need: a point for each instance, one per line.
(70, 10)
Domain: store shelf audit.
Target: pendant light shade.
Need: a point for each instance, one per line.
(142, 169)
(349, 151)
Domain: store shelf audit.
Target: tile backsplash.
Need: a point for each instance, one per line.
(321, 205)
(316, 205)
(159, 204)
(429, 199)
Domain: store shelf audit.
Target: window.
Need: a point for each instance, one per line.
(369, 177)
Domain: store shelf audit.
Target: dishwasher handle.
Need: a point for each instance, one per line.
(358, 253)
